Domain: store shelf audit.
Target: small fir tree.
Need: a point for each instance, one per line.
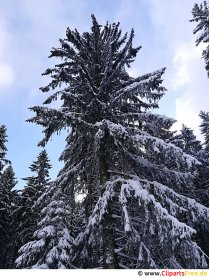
(29, 212)
(51, 245)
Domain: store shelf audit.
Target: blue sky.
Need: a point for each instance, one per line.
(29, 29)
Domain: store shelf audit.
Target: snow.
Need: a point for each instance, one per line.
(168, 148)
(140, 189)
(52, 255)
(101, 206)
(123, 201)
(47, 231)
(110, 125)
(40, 266)
(109, 259)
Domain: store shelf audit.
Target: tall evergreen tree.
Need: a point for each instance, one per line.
(132, 182)
(204, 158)
(187, 141)
(28, 212)
(205, 130)
(8, 223)
(3, 150)
(201, 16)
(7, 182)
(202, 182)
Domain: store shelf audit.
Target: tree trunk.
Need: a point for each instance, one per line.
(109, 256)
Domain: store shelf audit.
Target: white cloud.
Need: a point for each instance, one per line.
(28, 30)
(133, 72)
(187, 114)
(171, 20)
(191, 78)
(125, 9)
(6, 75)
(186, 77)
(6, 69)
(180, 60)
(186, 59)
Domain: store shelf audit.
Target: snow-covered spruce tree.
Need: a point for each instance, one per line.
(62, 219)
(188, 142)
(201, 16)
(204, 158)
(205, 131)
(202, 181)
(51, 244)
(5, 199)
(28, 211)
(132, 182)
(8, 224)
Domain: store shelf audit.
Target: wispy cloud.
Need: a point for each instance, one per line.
(28, 30)
(6, 69)
(6, 75)
(124, 10)
(191, 78)
(186, 76)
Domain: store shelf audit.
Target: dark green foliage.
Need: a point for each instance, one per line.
(28, 212)
(203, 174)
(52, 242)
(7, 206)
(205, 128)
(3, 149)
(8, 224)
(187, 141)
(201, 16)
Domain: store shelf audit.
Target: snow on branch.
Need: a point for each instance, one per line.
(139, 188)
(154, 142)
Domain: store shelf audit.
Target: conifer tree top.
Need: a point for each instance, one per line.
(95, 85)
(3, 140)
(205, 125)
(3, 148)
(41, 168)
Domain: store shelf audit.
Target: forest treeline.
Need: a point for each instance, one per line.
(132, 193)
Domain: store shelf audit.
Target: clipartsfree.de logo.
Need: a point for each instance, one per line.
(175, 273)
